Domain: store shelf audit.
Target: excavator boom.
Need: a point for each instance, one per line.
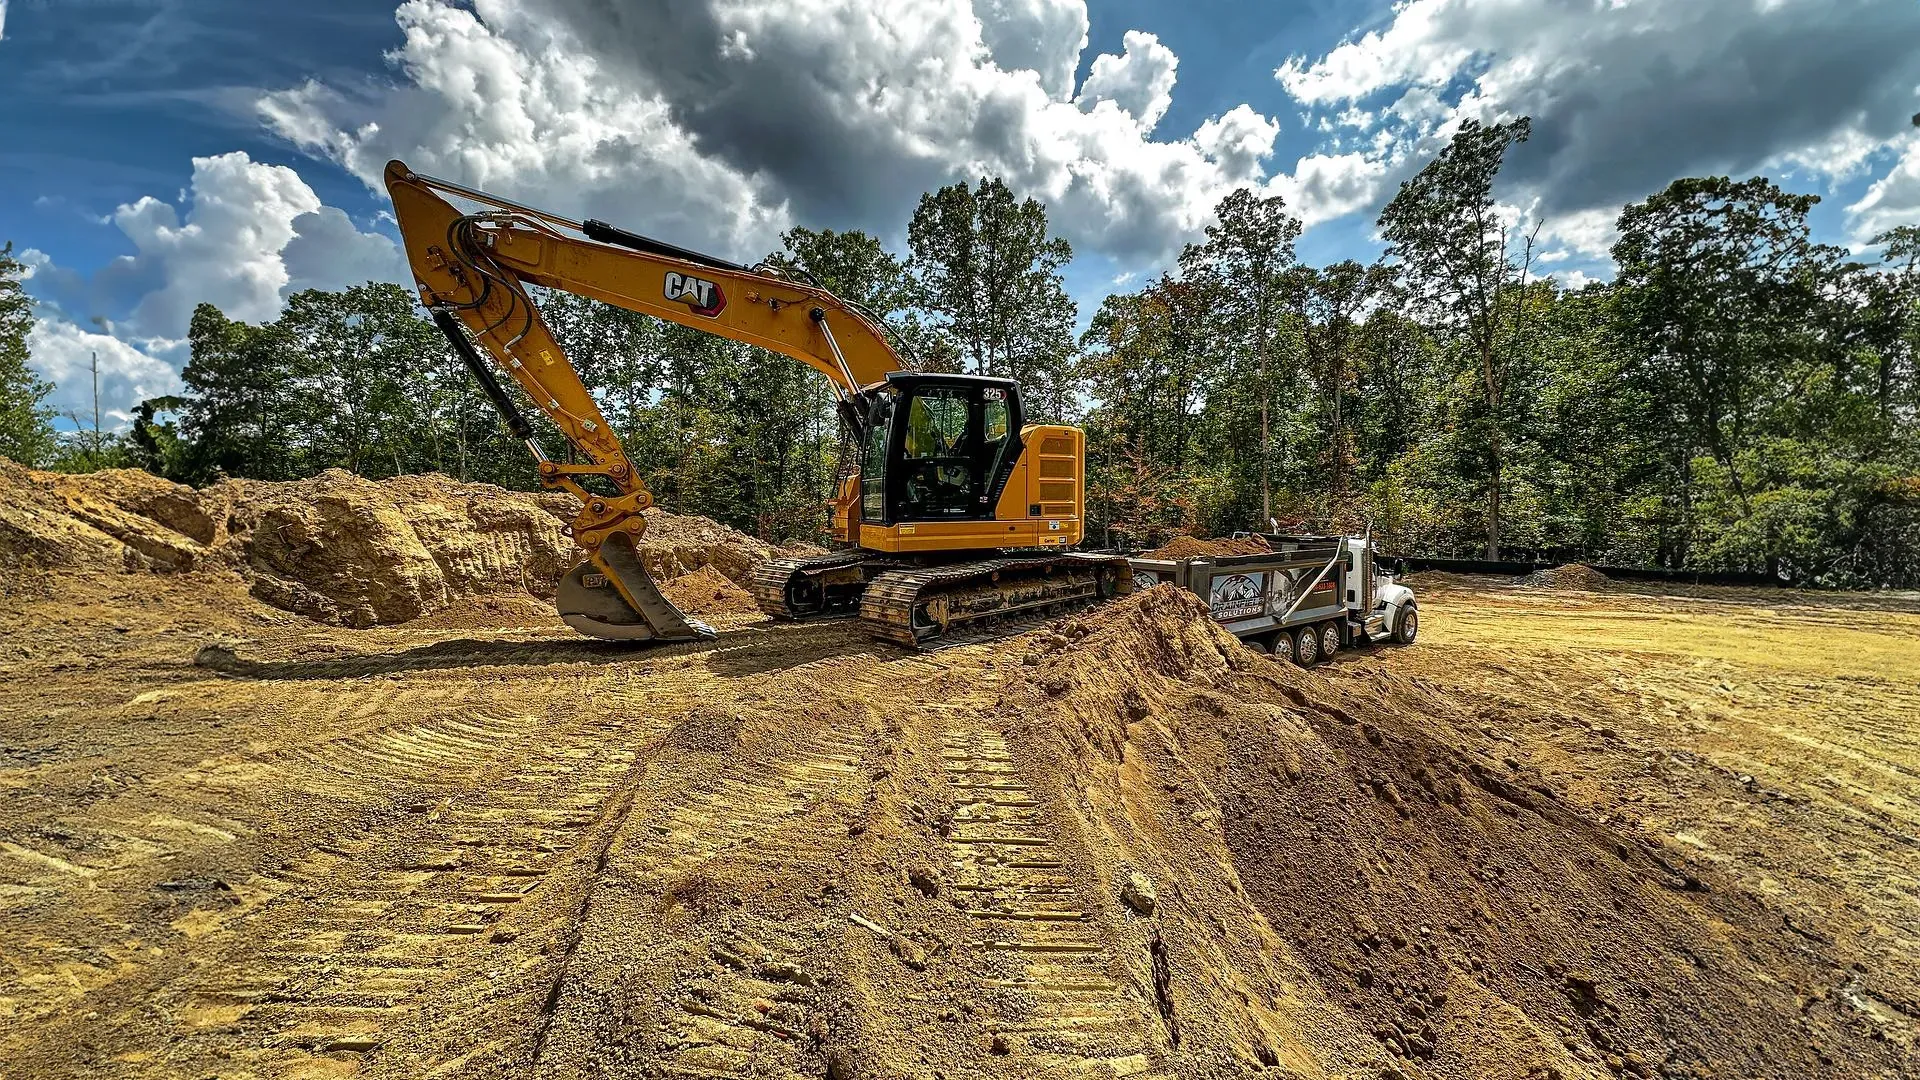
(947, 465)
(472, 269)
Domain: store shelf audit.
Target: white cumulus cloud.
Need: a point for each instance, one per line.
(243, 236)
(1139, 82)
(718, 123)
(1893, 199)
(130, 371)
(1627, 95)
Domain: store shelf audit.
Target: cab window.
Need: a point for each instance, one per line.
(997, 426)
(873, 476)
(936, 424)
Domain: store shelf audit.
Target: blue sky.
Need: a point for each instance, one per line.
(155, 153)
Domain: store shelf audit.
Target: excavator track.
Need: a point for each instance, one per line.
(812, 587)
(932, 607)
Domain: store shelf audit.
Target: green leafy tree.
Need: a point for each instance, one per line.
(1327, 303)
(26, 423)
(852, 265)
(1249, 249)
(1720, 284)
(1893, 313)
(1454, 252)
(364, 360)
(243, 413)
(986, 270)
(155, 444)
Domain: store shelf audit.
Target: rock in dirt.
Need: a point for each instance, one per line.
(1194, 547)
(1137, 893)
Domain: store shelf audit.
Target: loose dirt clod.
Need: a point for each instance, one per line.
(707, 591)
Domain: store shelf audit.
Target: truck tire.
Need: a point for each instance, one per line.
(1329, 640)
(1281, 645)
(1406, 625)
(1306, 646)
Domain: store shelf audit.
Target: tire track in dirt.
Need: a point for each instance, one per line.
(405, 910)
(209, 836)
(693, 985)
(1020, 894)
(436, 810)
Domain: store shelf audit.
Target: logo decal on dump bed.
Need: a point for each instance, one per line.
(703, 296)
(1234, 595)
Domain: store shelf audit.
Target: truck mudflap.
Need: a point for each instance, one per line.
(612, 596)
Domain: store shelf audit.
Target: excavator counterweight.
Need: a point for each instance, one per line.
(960, 512)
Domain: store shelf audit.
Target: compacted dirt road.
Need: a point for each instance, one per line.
(1567, 834)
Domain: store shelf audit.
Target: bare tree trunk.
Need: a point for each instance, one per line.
(1266, 484)
(1493, 503)
(1493, 456)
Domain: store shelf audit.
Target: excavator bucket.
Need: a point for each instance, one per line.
(612, 596)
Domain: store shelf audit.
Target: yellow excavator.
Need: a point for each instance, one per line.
(959, 514)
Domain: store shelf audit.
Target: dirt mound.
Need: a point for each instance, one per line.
(1193, 547)
(37, 531)
(1573, 577)
(1352, 871)
(340, 548)
(678, 544)
(707, 591)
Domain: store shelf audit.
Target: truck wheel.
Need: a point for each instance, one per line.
(1306, 646)
(1329, 640)
(1282, 647)
(1406, 625)
(1261, 644)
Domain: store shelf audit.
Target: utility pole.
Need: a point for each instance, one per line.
(94, 361)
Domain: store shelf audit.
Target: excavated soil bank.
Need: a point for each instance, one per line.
(339, 548)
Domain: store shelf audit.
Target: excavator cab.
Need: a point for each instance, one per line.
(938, 448)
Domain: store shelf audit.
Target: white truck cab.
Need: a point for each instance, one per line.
(1378, 606)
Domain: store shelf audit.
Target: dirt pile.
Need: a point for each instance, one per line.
(1353, 873)
(38, 532)
(678, 544)
(1193, 547)
(707, 591)
(337, 547)
(1573, 577)
(1119, 846)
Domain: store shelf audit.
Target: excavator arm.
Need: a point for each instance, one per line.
(473, 269)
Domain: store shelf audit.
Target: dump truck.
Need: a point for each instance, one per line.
(1305, 600)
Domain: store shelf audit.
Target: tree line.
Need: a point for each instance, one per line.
(1738, 397)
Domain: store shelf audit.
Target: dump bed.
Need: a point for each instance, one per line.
(1251, 594)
